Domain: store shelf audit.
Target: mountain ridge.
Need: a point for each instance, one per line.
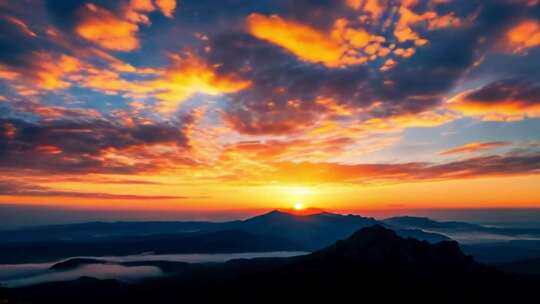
(272, 231)
(374, 264)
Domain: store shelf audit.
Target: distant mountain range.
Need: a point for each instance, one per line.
(273, 231)
(426, 223)
(411, 222)
(373, 265)
(492, 245)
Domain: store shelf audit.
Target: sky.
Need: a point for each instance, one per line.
(219, 106)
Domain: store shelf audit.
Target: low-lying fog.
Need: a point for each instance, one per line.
(17, 275)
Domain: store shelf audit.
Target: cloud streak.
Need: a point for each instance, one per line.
(80, 146)
(475, 147)
(19, 189)
(476, 167)
(506, 100)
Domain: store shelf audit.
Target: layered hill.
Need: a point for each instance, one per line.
(373, 265)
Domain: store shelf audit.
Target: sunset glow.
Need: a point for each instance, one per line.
(298, 206)
(224, 106)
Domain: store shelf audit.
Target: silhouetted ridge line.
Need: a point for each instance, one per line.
(379, 244)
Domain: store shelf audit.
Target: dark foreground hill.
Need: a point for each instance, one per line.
(523, 267)
(373, 265)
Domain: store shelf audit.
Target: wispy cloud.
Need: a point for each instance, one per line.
(475, 147)
(22, 189)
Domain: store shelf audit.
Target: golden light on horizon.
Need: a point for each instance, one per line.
(298, 195)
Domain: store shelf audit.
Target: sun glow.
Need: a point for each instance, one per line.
(298, 206)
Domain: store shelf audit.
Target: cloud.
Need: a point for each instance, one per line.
(408, 19)
(374, 7)
(476, 167)
(117, 30)
(475, 147)
(187, 76)
(305, 149)
(23, 189)
(167, 7)
(412, 78)
(523, 36)
(298, 81)
(353, 40)
(305, 42)
(52, 112)
(35, 57)
(107, 30)
(39, 70)
(21, 25)
(502, 100)
(261, 80)
(91, 145)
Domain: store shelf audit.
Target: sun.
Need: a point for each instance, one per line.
(298, 206)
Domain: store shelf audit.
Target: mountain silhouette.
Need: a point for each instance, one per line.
(377, 244)
(427, 223)
(373, 265)
(525, 267)
(225, 241)
(315, 231)
(312, 231)
(273, 231)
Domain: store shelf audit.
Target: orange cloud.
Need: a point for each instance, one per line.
(305, 149)
(51, 75)
(142, 5)
(523, 36)
(305, 42)
(344, 45)
(407, 18)
(388, 64)
(475, 147)
(187, 76)
(334, 108)
(137, 9)
(93, 54)
(358, 44)
(45, 71)
(504, 100)
(118, 31)
(170, 86)
(110, 82)
(167, 7)
(416, 120)
(8, 73)
(510, 110)
(107, 30)
(348, 42)
(373, 7)
(355, 4)
(485, 166)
